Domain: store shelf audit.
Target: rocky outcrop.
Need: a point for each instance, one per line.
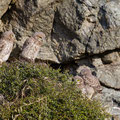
(4, 6)
(86, 27)
(73, 28)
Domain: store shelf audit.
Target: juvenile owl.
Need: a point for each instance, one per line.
(85, 89)
(6, 45)
(90, 80)
(89, 91)
(32, 46)
(79, 81)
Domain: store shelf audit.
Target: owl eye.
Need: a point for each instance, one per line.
(39, 36)
(11, 35)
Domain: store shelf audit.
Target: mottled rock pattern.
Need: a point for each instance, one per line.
(110, 99)
(97, 61)
(109, 75)
(4, 4)
(86, 26)
(73, 28)
(111, 58)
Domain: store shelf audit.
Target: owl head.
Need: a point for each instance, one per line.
(39, 35)
(78, 80)
(8, 35)
(99, 88)
(85, 71)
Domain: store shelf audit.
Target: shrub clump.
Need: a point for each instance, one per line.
(35, 92)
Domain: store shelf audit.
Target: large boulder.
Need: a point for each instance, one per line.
(109, 75)
(86, 26)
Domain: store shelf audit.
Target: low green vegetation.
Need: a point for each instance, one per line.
(35, 92)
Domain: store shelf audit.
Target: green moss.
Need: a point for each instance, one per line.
(34, 92)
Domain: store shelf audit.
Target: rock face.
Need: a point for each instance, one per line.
(86, 26)
(111, 100)
(109, 75)
(73, 28)
(111, 58)
(4, 4)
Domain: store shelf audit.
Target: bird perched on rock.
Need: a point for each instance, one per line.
(89, 91)
(31, 47)
(90, 80)
(80, 83)
(6, 45)
(85, 89)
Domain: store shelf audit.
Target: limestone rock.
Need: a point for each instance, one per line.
(4, 4)
(97, 62)
(116, 111)
(109, 75)
(111, 58)
(112, 14)
(1, 26)
(70, 29)
(111, 98)
(86, 27)
(84, 61)
(73, 28)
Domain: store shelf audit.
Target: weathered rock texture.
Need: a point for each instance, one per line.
(73, 28)
(84, 26)
(109, 75)
(4, 4)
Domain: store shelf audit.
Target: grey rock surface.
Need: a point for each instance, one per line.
(109, 75)
(111, 58)
(86, 26)
(110, 99)
(73, 28)
(4, 4)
